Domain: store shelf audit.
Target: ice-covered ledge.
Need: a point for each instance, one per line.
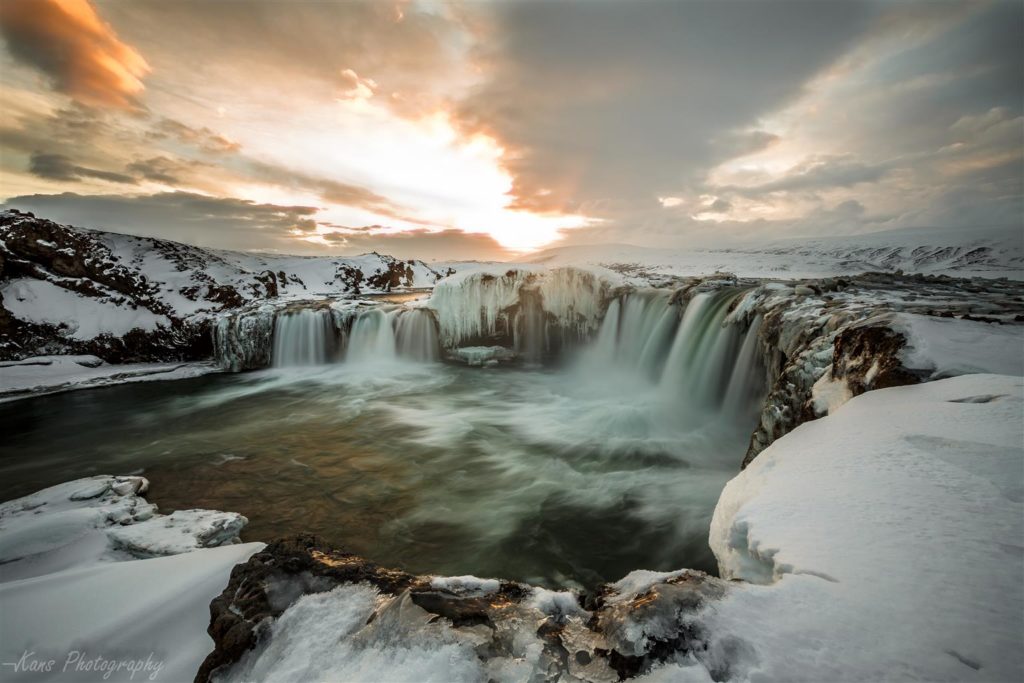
(51, 374)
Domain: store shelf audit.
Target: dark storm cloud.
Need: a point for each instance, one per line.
(79, 52)
(623, 102)
(60, 167)
(196, 219)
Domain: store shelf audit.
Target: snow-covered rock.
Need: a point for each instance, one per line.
(74, 591)
(46, 374)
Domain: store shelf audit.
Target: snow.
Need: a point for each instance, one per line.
(989, 252)
(71, 581)
(558, 604)
(829, 394)
(49, 374)
(886, 538)
(947, 347)
(40, 301)
(329, 636)
(466, 586)
(638, 582)
(155, 609)
(482, 355)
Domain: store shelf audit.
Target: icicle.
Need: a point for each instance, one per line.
(477, 307)
(243, 341)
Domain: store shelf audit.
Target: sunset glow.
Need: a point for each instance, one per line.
(487, 123)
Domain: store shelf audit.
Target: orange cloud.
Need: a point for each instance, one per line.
(67, 40)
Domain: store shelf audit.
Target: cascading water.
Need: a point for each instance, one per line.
(372, 339)
(416, 336)
(303, 336)
(696, 358)
(636, 332)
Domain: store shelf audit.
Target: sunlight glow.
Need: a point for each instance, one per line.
(434, 176)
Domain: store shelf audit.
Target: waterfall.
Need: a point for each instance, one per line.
(742, 395)
(372, 339)
(303, 337)
(705, 352)
(695, 356)
(636, 332)
(530, 334)
(416, 335)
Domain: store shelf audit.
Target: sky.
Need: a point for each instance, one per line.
(491, 130)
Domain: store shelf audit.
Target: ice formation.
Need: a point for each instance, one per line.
(528, 305)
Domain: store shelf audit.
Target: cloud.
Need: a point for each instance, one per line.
(306, 50)
(60, 167)
(216, 222)
(820, 172)
(80, 53)
(227, 223)
(162, 169)
(203, 139)
(604, 107)
(444, 245)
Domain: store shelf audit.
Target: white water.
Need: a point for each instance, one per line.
(372, 338)
(303, 337)
(416, 336)
(694, 357)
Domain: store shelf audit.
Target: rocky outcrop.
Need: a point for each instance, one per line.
(847, 330)
(624, 630)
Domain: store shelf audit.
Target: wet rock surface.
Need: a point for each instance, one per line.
(622, 631)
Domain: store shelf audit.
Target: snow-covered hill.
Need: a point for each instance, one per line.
(984, 252)
(65, 289)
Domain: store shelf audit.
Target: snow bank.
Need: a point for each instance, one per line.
(948, 347)
(72, 590)
(49, 374)
(40, 301)
(887, 538)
